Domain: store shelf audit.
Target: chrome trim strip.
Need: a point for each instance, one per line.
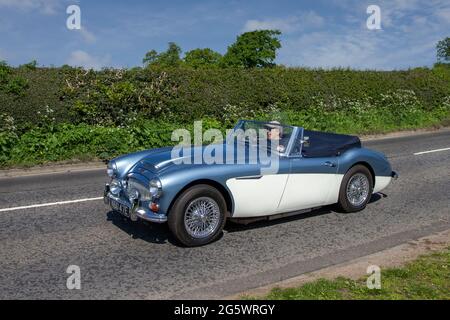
(290, 155)
(291, 142)
(163, 163)
(249, 177)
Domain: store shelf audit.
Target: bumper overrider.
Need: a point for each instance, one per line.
(132, 209)
(394, 175)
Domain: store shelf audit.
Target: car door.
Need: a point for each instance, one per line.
(312, 182)
(259, 195)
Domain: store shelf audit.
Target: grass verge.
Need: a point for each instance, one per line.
(426, 278)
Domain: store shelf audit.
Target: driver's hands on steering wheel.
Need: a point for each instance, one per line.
(281, 148)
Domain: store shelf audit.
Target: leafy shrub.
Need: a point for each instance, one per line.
(5, 71)
(83, 141)
(16, 86)
(182, 95)
(100, 114)
(9, 83)
(32, 65)
(8, 136)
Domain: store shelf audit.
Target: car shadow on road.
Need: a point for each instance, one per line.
(150, 232)
(143, 230)
(377, 196)
(233, 226)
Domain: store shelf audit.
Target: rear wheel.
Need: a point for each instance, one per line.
(198, 215)
(356, 189)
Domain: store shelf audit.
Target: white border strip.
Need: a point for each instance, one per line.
(430, 151)
(49, 204)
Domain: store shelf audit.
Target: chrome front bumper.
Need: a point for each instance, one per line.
(135, 209)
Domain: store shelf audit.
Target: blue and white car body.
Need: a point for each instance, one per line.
(310, 172)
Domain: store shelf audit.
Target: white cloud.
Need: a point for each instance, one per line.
(360, 49)
(43, 6)
(395, 12)
(321, 49)
(444, 14)
(410, 31)
(286, 25)
(81, 58)
(88, 36)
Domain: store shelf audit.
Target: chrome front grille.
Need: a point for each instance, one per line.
(135, 188)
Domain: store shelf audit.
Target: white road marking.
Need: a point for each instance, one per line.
(49, 204)
(430, 151)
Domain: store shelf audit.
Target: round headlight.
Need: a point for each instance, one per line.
(155, 188)
(114, 187)
(111, 169)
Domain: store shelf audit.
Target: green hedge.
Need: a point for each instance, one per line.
(87, 142)
(114, 97)
(50, 114)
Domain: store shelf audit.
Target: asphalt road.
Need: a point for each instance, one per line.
(120, 259)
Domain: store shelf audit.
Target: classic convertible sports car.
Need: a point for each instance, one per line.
(306, 169)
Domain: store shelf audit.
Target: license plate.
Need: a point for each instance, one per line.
(124, 210)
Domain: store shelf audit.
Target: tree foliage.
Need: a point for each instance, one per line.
(202, 58)
(150, 57)
(253, 49)
(443, 50)
(168, 58)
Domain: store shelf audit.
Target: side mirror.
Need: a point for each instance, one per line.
(305, 141)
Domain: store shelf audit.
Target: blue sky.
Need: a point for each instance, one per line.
(316, 33)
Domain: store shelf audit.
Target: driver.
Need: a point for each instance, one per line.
(275, 133)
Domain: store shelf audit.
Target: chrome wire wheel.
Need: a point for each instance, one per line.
(358, 189)
(202, 217)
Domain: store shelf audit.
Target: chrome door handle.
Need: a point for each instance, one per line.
(329, 164)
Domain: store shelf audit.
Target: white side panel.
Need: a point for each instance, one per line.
(257, 197)
(381, 183)
(333, 196)
(310, 190)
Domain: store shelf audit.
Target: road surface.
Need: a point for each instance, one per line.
(119, 259)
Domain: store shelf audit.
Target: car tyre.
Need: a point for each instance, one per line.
(198, 215)
(356, 189)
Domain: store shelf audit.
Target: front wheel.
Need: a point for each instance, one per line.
(356, 189)
(198, 216)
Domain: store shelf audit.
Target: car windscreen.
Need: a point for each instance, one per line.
(274, 135)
